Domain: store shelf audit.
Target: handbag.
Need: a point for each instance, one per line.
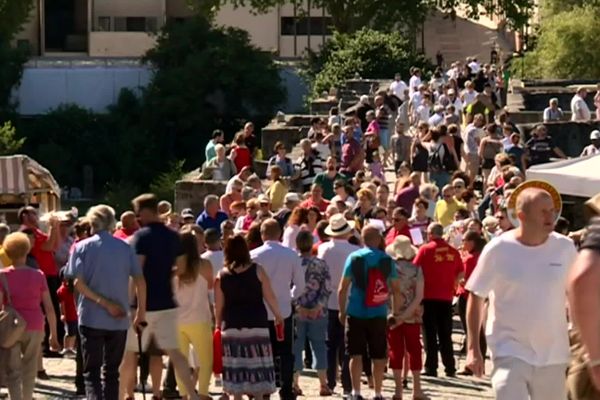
(579, 383)
(12, 325)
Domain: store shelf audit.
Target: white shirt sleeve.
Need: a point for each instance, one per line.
(484, 276)
(297, 279)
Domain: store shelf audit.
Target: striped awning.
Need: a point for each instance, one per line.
(20, 175)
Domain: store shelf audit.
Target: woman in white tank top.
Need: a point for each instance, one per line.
(192, 284)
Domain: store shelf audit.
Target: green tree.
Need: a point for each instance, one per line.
(9, 144)
(370, 53)
(351, 15)
(548, 8)
(206, 78)
(566, 47)
(13, 14)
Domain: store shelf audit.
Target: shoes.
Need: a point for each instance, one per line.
(432, 374)
(43, 375)
(325, 391)
(169, 393)
(465, 372)
(80, 392)
(451, 374)
(378, 398)
(148, 387)
(405, 383)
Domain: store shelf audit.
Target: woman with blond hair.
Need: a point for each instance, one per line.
(24, 288)
(192, 283)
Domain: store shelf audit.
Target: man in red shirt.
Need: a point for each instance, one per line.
(442, 269)
(128, 227)
(316, 199)
(400, 219)
(43, 251)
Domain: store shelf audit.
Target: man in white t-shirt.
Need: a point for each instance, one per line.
(579, 108)
(398, 87)
(415, 81)
(593, 148)
(523, 273)
(335, 252)
(474, 65)
(214, 252)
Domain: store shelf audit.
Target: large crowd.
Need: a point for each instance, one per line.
(351, 259)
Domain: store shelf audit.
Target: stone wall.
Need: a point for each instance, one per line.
(570, 137)
(289, 135)
(191, 193)
(537, 98)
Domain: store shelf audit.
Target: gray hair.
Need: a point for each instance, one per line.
(435, 229)
(211, 198)
(101, 218)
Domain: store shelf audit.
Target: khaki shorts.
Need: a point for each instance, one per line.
(162, 326)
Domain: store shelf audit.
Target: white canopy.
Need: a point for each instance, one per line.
(574, 177)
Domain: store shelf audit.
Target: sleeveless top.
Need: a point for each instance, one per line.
(193, 301)
(244, 306)
(243, 158)
(490, 150)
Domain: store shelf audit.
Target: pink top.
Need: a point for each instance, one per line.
(373, 127)
(26, 287)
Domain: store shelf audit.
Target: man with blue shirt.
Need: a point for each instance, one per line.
(217, 137)
(366, 322)
(211, 217)
(101, 267)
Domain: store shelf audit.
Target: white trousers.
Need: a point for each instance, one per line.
(514, 379)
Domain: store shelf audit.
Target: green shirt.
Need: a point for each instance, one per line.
(327, 184)
(210, 152)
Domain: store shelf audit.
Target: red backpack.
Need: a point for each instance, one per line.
(373, 280)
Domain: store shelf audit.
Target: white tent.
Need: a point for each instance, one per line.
(574, 177)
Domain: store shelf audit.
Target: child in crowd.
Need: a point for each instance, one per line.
(68, 314)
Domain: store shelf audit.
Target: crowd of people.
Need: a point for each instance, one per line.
(330, 265)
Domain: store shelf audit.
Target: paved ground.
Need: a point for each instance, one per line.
(62, 372)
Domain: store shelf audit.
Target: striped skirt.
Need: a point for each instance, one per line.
(247, 361)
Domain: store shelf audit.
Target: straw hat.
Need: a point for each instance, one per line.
(339, 226)
(401, 249)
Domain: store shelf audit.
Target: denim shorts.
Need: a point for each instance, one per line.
(384, 137)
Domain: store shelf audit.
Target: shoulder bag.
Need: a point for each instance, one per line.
(12, 325)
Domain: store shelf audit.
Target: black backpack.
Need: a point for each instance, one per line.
(438, 163)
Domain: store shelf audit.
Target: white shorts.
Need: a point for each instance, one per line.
(514, 379)
(162, 326)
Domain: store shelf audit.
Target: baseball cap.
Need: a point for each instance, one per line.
(187, 213)
(595, 134)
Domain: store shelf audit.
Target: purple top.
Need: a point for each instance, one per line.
(406, 197)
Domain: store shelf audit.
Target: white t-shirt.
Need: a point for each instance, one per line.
(469, 97)
(475, 67)
(590, 151)
(334, 253)
(526, 289)
(423, 113)
(216, 258)
(322, 150)
(398, 88)
(413, 84)
(579, 106)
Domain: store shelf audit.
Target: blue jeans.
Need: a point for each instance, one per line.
(316, 332)
(441, 178)
(102, 351)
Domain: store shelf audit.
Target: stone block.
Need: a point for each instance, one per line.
(537, 98)
(570, 137)
(322, 106)
(530, 117)
(191, 193)
(289, 135)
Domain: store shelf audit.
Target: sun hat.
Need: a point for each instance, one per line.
(292, 198)
(401, 249)
(338, 226)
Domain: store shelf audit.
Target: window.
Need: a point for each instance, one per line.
(136, 24)
(300, 25)
(103, 24)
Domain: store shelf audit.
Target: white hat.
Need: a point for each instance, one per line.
(263, 198)
(364, 99)
(401, 249)
(451, 91)
(595, 134)
(338, 226)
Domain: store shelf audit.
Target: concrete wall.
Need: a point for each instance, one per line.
(120, 44)
(191, 194)
(178, 9)
(537, 98)
(570, 137)
(124, 8)
(31, 31)
(263, 29)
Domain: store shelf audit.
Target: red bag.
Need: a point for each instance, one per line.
(377, 292)
(217, 352)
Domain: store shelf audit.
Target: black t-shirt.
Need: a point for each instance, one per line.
(161, 246)
(592, 238)
(540, 150)
(250, 142)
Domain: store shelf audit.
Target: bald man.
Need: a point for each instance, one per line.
(129, 226)
(523, 273)
(364, 317)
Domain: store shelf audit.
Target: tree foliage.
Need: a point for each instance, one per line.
(566, 46)
(351, 15)
(13, 14)
(9, 143)
(368, 53)
(207, 78)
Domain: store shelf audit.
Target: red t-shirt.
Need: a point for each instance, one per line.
(393, 233)
(322, 206)
(68, 302)
(441, 264)
(469, 264)
(243, 158)
(44, 258)
(124, 234)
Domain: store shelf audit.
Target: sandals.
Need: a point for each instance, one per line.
(325, 391)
